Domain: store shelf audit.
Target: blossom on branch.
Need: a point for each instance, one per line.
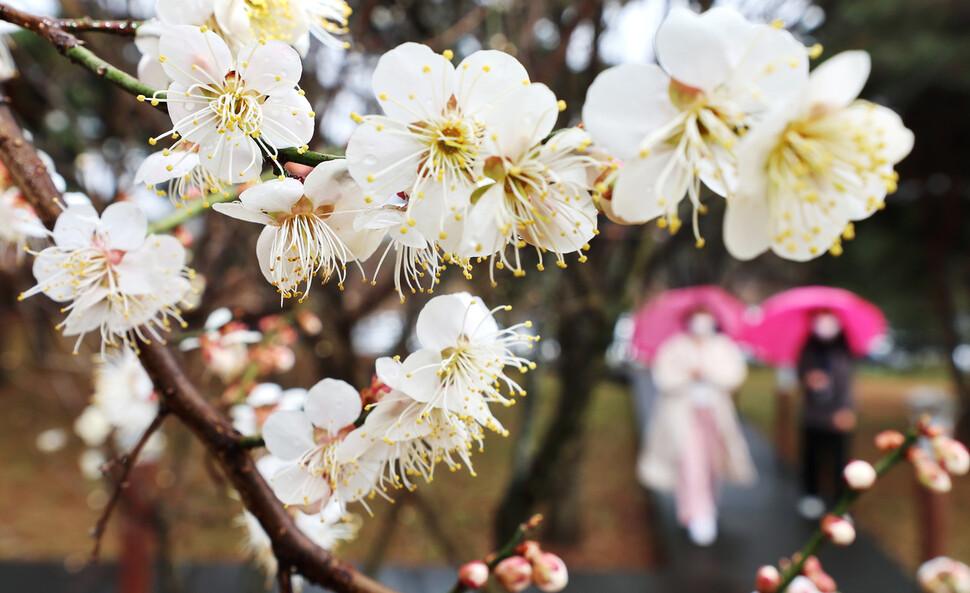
(309, 227)
(677, 125)
(115, 279)
(815, 165)
(234, 109)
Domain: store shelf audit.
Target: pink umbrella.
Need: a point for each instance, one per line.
(778, 331)
(666, 315)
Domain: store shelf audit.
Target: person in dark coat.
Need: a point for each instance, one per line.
(825, 370)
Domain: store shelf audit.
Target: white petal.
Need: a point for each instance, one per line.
(388, 371)
(288, 434)
(286, 120)
(273, 196)
(332, 404)
(635, 196)
(839, 79)
(383, 157)
(625, 104)
(522, 122)
(124, 225)
(271, 68)
(294, 485)
(487, 78)
(746, 227)
(155, 168)
(701, 51)
(411, 82)
(233, 158)
(75, 226)
(237, 210)
(420, 379)
(193, 57)
(264, 394)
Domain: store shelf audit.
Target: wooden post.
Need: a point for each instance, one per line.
(931, 512)
(786, 437)
(136, 562)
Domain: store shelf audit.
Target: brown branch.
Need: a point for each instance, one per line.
(125, 27)
(284, 579)
(127, 462)
(181, 399)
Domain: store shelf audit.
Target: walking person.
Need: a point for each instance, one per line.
(825, 369)
(694, 440)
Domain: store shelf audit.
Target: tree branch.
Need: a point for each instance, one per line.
(181, 399)
(127, 462)
(125, 27)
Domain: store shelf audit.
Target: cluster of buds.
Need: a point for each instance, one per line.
(944, 575)
(529, 565)
(813, 579)
(275, 353)
(945, 457)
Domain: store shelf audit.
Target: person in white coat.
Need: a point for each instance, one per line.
(694, 441)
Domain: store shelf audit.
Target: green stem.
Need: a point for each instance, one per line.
(818, 539)
(307, 157)
(88, 59)
(253, 442)
(188, 211)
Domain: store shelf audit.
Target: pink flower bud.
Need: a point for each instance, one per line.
(952, 455)
(309, 323)
(889, 440)
(822, 581)
(530, 550)
(932, 475)
(549, 573)
(767, 579)
(514, 574)
(473, 575)
(859, 475)
(839, 530)
(944, 575)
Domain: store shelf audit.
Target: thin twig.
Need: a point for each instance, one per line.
(127, 462)
(848, 497)
(80, 25)
(252, 442)
(188, 211)
(285, 579)
(507, 550)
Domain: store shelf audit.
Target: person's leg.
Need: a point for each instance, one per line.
(694, 494)
(811, 506)
(841, 450)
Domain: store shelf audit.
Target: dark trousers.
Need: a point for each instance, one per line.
(824, 455)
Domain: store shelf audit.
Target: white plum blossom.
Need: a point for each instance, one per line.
(678, 124)
(307, 442)
(115, 279)
(428, 142)
(224, 344)
(122, 407)
(168, 13)
(539, 193)
(309, 227)
(815, 165)
(233, 108)
(460, 367)
(8, 68)
(290, 21)
(19, 223)
(416, 257)
(179, 170)
(264, 399)
(943, 575)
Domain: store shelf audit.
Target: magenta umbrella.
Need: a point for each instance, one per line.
(666, 315)
(777, 332)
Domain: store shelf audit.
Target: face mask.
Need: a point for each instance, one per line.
(826, 326)
(702, 324)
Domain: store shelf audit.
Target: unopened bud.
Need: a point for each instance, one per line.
(309, 323)
(859, 475)
(530, 550)
(888, 440)
(767, 579)
(549, 573)
(944, 575)
(839, 530)
(932, 475)
(952, 455)
(822, 581)
(927, 428)
(514, 574)
(473, 575)
(802, 584)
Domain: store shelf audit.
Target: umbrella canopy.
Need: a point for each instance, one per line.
(778, 331)
(666, 315)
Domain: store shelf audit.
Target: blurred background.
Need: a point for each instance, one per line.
(575, 437)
